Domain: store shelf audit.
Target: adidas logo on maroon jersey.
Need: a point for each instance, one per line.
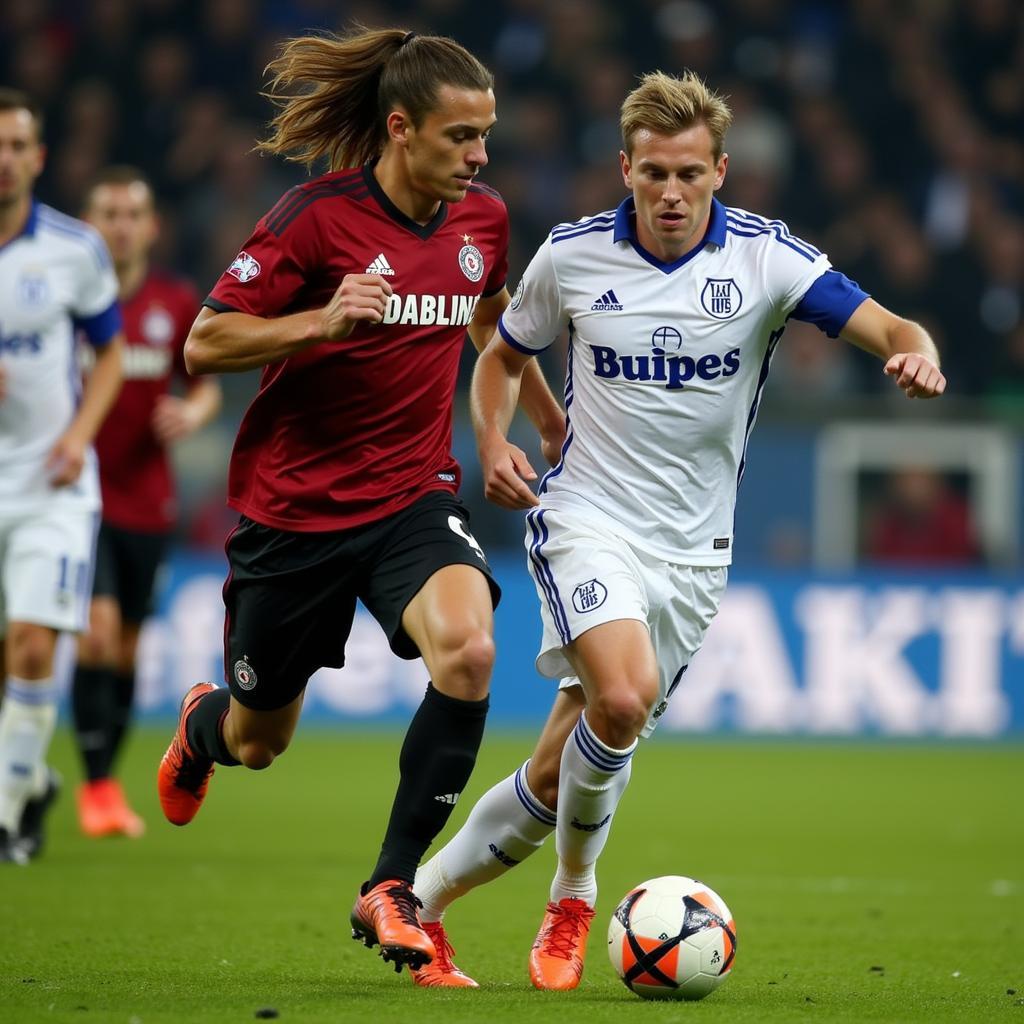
(381, 266)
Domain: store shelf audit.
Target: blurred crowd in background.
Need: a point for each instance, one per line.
(888, 133)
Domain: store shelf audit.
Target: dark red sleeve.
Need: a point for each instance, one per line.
(269, 271)
(499, 272)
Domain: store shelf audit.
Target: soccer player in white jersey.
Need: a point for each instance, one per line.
(675, 305)
(55, 277)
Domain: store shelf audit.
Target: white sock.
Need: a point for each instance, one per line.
(506, 825)
(592, 780)
(27, 720)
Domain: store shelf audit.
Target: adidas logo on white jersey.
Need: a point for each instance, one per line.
(447, 798)
(607, 303)
(380, 266)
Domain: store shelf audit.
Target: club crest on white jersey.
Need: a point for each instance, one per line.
(721, 298)
(33, 290)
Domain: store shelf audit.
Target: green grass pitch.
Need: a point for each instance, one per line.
(870, 882)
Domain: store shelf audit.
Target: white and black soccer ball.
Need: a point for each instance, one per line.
(672, 938)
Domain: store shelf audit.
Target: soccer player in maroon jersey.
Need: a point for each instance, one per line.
(139, 507)
(355, 293)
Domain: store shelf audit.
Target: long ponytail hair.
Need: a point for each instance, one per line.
(333, 93)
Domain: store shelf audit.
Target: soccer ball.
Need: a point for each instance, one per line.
(672, 938)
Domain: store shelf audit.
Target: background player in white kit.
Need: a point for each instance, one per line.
(675, 305)
(55, 276)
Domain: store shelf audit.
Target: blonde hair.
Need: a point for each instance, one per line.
(668, 105)
(334, 92)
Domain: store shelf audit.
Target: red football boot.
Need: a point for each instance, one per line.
(441, 972)
(556, 960)
(182, 777)
(386, 914)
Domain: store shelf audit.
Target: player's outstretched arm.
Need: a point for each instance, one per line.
(232, 342)
(910, 355)
(493, 397)
(101, 387)
(535, 397)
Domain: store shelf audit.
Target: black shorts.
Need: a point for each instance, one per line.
(126, 566)
(291, 597)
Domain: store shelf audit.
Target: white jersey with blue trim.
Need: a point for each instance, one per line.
(667, 363)
(55, 277)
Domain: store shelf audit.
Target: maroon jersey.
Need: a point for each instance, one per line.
(135, 471)
(347, 432)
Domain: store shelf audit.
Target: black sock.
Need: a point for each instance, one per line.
(203, 729)
(124, 697)
(436, 761)
(92, 709)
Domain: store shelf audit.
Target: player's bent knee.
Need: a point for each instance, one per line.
(259, 754)
(96, 649)
(466, 669)
(478, 655)
(256, 756)
(30, 654)
(618, 716)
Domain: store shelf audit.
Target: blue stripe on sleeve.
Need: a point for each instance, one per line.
(517, 345)
(588, 230)
(830, 302)
(778, 227)
(99, 329)
(749, 231)
(584, 223)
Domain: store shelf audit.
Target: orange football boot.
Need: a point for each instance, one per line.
(556, 960)
(104, 811)
(182, 778)
(94, 815)
(441, 972)
(386, 914)
(124, 821)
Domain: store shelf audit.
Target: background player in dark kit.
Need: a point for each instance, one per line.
(354, 294)
(139, 504)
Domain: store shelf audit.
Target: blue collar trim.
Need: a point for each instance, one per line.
(625, 231)
(624, 214)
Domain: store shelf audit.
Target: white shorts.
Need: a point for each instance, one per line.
(586, 575)
(46, 565)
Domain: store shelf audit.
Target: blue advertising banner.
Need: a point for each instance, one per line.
(938, 655)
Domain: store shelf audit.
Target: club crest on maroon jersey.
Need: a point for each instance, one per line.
(471, 261)
(157, 326)
(244, 267)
